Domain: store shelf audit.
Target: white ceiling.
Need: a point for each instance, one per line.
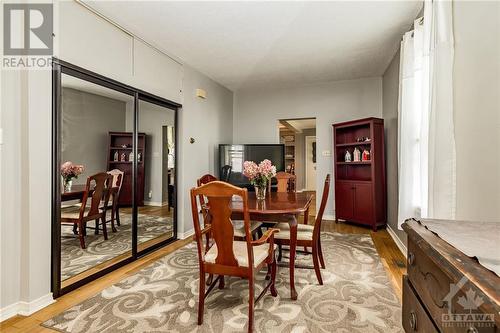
(255, 44)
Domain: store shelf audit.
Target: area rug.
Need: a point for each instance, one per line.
(75, 260)
(356, 297)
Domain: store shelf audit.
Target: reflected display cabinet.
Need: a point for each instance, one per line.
(359, 166)
(120, 157)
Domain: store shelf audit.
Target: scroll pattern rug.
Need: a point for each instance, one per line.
(75, 260)
(356, 297)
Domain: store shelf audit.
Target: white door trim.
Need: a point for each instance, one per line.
(308, 140)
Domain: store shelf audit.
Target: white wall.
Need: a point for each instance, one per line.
(477, 109)
(476, 75)
(89, 41)
(210, 122)
(256, 113)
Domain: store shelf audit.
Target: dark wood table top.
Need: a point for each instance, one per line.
(275, 203)
(75, 193)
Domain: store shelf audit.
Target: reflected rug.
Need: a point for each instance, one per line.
(75, 260)
(357, 296)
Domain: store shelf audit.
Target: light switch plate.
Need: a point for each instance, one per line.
(1, 136)
(326, 153)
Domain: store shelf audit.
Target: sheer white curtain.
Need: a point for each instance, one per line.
(426, 147)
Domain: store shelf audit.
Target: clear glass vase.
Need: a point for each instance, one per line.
(260, 192)
(67, 185)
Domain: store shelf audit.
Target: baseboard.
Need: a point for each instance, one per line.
(398, 241)
(25, 308)
(184, 235)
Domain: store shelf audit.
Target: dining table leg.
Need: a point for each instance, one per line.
(293, 247)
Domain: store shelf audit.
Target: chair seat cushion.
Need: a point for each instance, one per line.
(239, 227)
(300, 227)
(260, 253)
(73, 212)
(304, 231)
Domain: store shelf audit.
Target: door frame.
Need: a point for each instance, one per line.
(307, 141)
(60, 67)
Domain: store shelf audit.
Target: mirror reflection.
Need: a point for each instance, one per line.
(96, 178)
(156, 174)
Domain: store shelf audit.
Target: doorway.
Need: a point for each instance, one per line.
(299, 137)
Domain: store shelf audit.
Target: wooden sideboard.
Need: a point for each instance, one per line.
(445, 290)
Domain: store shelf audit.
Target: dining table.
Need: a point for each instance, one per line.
(75, 193)
(277, 207)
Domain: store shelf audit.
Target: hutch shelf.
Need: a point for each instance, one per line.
(360, 187)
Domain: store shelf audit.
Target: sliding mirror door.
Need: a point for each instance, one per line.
(95, 146)
(156, 174)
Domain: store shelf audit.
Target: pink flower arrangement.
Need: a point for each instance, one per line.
(260, 174)
(70, 170)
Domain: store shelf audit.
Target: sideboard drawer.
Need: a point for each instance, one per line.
(415, 319)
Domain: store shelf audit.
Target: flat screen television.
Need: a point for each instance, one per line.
(235, 155)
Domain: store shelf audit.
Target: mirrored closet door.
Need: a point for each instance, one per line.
(114, 176)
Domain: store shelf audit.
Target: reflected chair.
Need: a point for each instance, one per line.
(80, 214)
(239, 230)
(114, 197)
(227, 256)
(226, 173)
(307, 235)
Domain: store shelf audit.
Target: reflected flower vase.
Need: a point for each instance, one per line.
(67, 183)
(260, 192)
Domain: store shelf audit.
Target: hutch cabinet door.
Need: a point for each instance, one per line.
(363, 203)
(344, 200)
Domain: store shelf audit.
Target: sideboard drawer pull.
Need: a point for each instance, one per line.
(411, 258)
(413, 320)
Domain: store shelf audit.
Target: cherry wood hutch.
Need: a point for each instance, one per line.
(120, 143)
(360, 185)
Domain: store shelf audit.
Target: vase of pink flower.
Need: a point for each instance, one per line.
(259, 175)
(68, 172)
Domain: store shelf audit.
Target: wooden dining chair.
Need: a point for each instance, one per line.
(239, 230)
(112, 205)
(286, 182)
(118, 176)
(226, 173)
(82, 213)
(307, 235)
(228, 256)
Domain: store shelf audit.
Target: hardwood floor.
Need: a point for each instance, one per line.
(392, 259)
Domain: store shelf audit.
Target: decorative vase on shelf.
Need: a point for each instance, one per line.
(115, 156)
(348, 156)
(67, 183)
(357, 155)
(260, 192)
